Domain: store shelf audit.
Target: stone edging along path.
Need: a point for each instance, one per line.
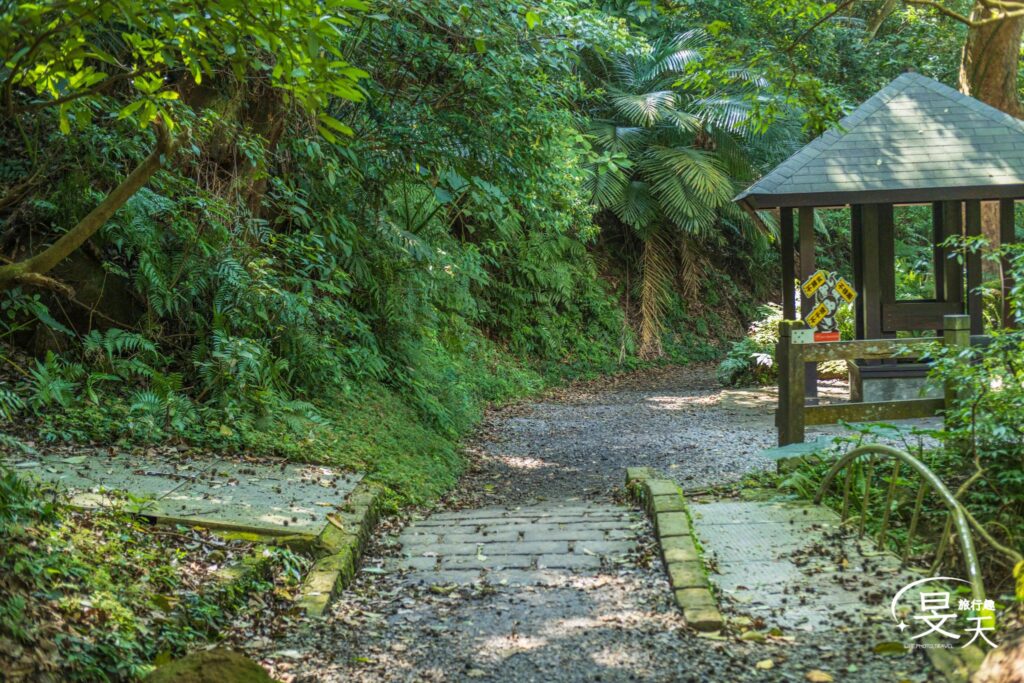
(664, 502)
(340, 547)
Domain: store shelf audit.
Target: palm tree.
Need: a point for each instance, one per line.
(669, 158)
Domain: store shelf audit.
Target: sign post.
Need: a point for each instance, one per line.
(828, 290)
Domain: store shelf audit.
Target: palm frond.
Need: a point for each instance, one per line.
(735, 157)
(684, 122)
(673, 56)
(606, 183)
(643, 109)
(691, 272)
(637, 208)
(613, 137)
(723, 111)
(690, 185)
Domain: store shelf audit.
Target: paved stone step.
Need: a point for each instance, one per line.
(503, 545)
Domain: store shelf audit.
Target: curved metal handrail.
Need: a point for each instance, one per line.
(957, 512)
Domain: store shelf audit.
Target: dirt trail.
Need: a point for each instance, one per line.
(599, 617)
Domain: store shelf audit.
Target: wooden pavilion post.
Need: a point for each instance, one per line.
(807, 268)
(871, 286)
(953, 275)
(857, 249)
(788, 251)
(938, 254)
(886, 264)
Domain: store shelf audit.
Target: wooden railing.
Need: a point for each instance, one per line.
(794, 415)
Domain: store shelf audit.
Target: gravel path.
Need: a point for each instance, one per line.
(613, 622)
(579, 440)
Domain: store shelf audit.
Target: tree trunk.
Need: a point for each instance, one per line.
(876, 21)
(990, 231)
(30, 271)
(989, 64)
(990, 60)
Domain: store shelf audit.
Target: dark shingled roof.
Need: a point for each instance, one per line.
(915, 140)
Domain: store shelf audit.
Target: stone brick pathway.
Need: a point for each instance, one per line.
(537, 544)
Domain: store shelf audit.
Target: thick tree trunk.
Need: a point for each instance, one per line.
(989, 64)
(990, 60)
(31, 270)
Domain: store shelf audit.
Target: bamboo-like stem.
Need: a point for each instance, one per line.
(888, 504)
(914, 518)
(869, 471)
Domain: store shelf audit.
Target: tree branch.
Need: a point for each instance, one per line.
(87, 227)
(973, 23)
(813, 27)
(44, 282)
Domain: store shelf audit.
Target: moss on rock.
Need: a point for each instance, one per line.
(211, 666)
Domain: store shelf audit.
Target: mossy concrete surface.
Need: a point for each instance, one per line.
(270, 498)
(340, 546)
(664, 502)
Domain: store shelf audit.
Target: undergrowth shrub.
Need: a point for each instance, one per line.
(751, 360)
(98, 596)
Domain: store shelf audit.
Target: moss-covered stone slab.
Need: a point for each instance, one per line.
(694, 597)
(683, 563)
(211, 666)
(679, 549)
(662, 487)
(672, 524)
(634, 474)
(768, 552)
(686, 574)
(704, 619)
(671, 503)
(260, 497)
(341, 544)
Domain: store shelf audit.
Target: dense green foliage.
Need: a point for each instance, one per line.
(363, 221)
(271, 277)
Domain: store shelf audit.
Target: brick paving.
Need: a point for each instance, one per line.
(537, 544)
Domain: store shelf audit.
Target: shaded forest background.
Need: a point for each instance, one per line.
(346, 263)
(334, 231)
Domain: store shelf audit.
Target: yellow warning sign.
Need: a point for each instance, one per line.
(811, 285)
(846, 290)
(816, 316)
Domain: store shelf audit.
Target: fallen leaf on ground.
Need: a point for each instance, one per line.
(765, 664)
(818, 676)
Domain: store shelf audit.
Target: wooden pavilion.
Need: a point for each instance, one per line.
(915, 141)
